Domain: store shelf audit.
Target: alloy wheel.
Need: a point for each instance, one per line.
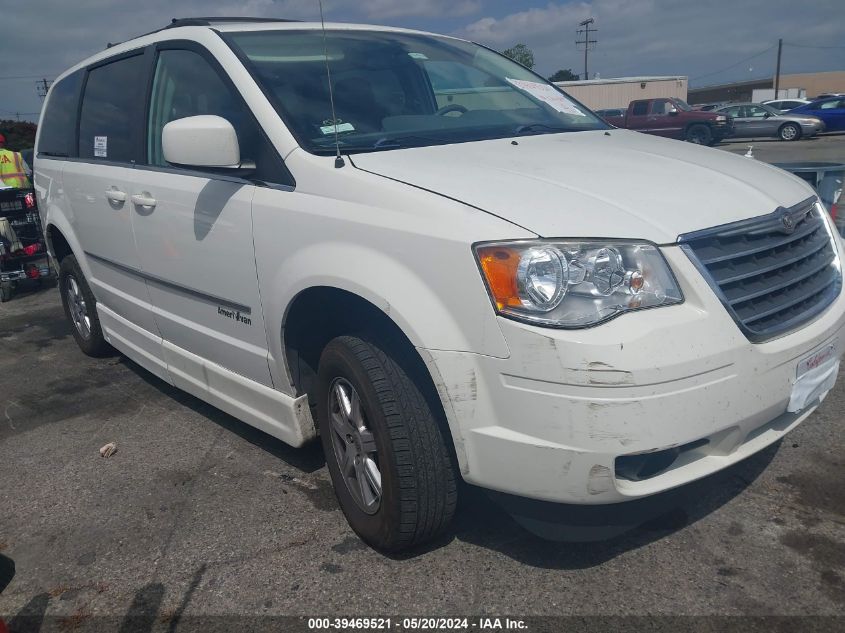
(354, 446)
(78, 308)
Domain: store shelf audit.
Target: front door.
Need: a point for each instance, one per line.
(761, 122)
(663, 119)
(194, 230)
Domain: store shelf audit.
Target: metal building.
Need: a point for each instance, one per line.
(599, 94)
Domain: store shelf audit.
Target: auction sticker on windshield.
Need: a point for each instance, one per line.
(548, 95)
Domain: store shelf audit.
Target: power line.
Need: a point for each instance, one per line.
(742, 61)
(810, 46)
(25, 76)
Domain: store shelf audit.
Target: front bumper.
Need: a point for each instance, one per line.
(811, 129)
(550, 421)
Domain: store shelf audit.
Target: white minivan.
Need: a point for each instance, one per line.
(437, 262)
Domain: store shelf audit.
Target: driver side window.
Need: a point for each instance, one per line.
(663, 106)
(186, 85)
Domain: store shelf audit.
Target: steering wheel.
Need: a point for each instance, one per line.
(452, 107)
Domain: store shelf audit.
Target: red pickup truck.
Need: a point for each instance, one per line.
(674, 118)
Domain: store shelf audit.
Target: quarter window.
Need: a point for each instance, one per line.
(58, 127)
(113, 93)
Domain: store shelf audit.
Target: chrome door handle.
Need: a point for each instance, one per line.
(143, 200)
(115, 195)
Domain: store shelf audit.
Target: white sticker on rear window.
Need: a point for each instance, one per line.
(101, 146)
(417, 55)
(341, 127)
(547, 94)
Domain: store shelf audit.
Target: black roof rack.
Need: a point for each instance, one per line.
(176, 22)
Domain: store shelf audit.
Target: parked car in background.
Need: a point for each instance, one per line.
(828, 95)
(707, 107)
(784, 105)
(757, 119)
(831, 111)
(673, 118)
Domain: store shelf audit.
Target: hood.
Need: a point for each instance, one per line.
(618, 184)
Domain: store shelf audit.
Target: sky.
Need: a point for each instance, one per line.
(710, 41)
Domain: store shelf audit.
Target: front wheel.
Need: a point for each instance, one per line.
(789, 132)
(699, 134)
(386, 454)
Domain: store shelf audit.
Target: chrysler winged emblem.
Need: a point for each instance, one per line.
(788, 223)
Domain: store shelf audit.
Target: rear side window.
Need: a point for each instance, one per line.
(58, 127)
(640, 108)
(113, 94)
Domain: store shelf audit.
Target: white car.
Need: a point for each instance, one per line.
(443, 266)
(785, 105)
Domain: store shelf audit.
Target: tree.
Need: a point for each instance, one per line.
(521, 54)
(19, 134)
(564, 75)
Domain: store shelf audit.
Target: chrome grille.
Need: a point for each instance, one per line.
(773, 273)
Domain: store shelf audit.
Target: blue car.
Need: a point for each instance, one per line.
(831, 111)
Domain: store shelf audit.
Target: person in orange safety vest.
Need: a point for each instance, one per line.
(12, 171)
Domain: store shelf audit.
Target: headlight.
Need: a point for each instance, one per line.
(721, 119)
(575, 284)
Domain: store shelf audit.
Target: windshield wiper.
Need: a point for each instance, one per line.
(401, 141)
(536, 127)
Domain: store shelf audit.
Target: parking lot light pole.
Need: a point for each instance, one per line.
(777, 70)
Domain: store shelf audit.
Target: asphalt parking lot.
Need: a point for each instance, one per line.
(198, 514)
(824, 148)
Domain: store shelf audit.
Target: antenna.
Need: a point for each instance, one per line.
(338, 160)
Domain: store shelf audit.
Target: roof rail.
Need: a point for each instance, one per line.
(177, 22)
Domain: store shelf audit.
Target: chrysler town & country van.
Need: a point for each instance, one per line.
(435, 261)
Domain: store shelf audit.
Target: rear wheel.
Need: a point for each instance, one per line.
(386, 454)
(81, 308)
(699, 134)
(789, 132)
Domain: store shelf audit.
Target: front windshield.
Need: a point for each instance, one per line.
(395, 90)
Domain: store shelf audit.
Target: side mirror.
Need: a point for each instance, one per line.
(673, 113)
(206, 143)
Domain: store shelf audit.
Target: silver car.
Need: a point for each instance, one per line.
(756, 120)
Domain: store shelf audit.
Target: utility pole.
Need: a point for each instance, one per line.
(777, 71)
(587, 42)
(42, 86)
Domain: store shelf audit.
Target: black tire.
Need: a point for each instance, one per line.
(5, 292)
(91, 341)
(418, 486)
(789, 132)
(700, 134)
